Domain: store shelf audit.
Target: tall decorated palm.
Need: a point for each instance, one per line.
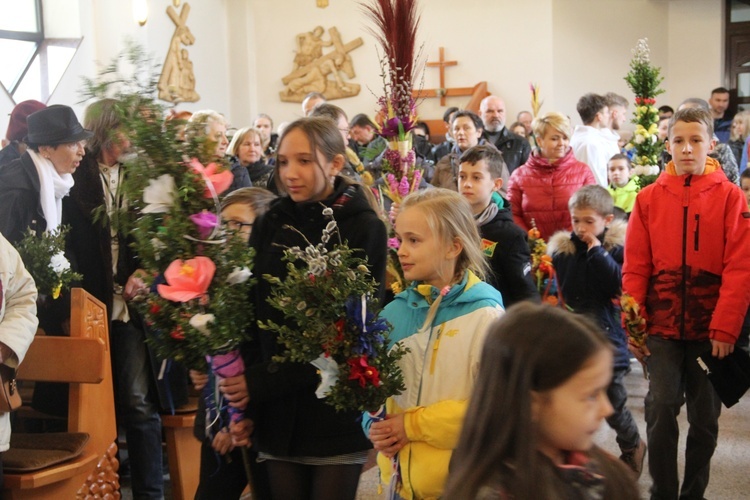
(644, 79)
(394, 26)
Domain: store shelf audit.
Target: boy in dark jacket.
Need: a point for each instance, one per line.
(588, 264)
(503, 242)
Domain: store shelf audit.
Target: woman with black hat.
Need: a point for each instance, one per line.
(32, 187)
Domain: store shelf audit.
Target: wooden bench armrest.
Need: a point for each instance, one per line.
(64, 359)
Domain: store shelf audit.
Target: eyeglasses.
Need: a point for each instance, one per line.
(236, 225)
(345, 130)
(76, 145)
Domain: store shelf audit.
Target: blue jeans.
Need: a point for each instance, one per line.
(136, 408)
(622, 420)
(676, 378)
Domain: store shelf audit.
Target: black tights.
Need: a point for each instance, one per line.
(292, 481)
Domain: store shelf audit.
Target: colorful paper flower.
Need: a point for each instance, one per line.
(201, 321)
(187, 280)
(239, 275)
(205, 221)
(363, 372)
(329, 374)
(214, 176)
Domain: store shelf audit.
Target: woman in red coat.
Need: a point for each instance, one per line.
(540, 189)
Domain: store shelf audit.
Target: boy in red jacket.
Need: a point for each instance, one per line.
(685, 266)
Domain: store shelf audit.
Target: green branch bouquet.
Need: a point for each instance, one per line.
(330, 298)
(43, 257)
(198, 271)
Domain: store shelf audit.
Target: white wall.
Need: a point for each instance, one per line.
(569, 47)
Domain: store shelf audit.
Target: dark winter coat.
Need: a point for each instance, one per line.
(20, 202)
(515, 149)
(89, 243)
(10, 153)
(507, 248)
(291, 420)
(591, 281)
(241, 178)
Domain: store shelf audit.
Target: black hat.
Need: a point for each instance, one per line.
(56, 124)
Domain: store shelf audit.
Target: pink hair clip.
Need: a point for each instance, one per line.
(444, 291)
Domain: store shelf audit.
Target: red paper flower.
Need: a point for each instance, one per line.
(188, 279)
(177, 333)
(220, 180)
(361, 371)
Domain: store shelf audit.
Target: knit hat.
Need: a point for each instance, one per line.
(17, 126)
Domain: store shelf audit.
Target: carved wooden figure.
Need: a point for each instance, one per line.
(177, 80)
(312, 67)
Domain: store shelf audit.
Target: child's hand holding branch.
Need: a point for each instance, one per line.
(389, 436)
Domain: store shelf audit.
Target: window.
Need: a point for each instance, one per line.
(31, 65)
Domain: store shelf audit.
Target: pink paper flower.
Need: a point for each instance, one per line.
(205, 221)
(220, 180)
(392, 183)
(403, 186)
(393, 243)
(187, 280)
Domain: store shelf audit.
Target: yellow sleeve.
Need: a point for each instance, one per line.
(438, 424)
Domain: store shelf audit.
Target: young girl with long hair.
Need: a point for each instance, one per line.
(311, 450)
(442, 317)
(540, 396)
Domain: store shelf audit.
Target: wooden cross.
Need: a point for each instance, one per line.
(442, 92)
(181, 20)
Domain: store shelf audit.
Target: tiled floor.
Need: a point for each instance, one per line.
(729, 472)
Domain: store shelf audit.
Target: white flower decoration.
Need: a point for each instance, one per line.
(201, 321)
(239, 275)
(329, 374)
(159, 195)
(59, 263)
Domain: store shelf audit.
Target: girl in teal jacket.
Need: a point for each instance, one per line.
(442, 318)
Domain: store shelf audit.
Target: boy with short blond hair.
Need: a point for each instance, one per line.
(480, 178)
(685, 266)
(588, 264)
(623, 185)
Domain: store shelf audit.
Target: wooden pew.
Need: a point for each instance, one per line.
(183, 451)
(83, 360)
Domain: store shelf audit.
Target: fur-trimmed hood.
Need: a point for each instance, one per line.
(563, 242)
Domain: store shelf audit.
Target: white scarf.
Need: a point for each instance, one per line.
(52, 188)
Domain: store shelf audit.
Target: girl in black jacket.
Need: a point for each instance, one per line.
(311, 450)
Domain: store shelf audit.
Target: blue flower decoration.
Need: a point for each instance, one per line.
(369, 340)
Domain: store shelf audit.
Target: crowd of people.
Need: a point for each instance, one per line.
(486, 411)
